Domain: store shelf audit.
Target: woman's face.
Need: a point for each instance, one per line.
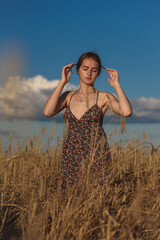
(88, 71)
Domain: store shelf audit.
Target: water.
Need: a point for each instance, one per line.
(23, 130)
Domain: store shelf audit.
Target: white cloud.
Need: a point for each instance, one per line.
(146, 109)
(25, 98)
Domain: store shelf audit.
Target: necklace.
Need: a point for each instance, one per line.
(85, 95)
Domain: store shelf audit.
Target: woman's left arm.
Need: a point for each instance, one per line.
(123, 107)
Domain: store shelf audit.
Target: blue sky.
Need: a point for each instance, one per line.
(43, 36)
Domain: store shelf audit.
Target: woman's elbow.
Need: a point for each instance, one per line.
(128, 113)
(46, 113)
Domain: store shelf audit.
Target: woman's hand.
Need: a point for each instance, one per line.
(114, 78)
(123, 105)
(66, 73)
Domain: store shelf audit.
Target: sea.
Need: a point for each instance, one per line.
(19, 132)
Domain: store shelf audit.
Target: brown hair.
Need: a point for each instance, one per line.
(88, 55)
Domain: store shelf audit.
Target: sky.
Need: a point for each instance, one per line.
(37, 38)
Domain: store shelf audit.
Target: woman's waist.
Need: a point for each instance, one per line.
(84, 131)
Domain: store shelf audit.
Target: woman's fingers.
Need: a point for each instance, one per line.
(112, 72)
(109, 80)
(109, 69)
(66, 72)
(69, 75)
(69, 66)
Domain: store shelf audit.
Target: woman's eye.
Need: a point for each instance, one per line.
(93, 70)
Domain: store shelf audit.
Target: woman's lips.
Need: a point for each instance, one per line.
(89, 78)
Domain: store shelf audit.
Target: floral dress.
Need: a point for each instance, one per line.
(85, 149)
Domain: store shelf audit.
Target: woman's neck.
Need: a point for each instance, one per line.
(86, 89)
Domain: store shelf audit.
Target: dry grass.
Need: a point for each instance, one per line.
(34, 207)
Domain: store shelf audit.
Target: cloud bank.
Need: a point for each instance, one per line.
(24, 98)
(146, 110)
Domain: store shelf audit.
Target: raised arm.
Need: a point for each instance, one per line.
(122, 106)
(55, 102)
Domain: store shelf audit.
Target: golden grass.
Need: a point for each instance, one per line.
(33, 205)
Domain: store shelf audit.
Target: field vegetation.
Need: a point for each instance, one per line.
(33, 207)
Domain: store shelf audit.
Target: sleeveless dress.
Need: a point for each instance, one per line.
(85, 149)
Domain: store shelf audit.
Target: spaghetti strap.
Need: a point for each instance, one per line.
(97, 97)
(71, 98)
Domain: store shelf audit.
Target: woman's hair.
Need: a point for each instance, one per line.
(88, 55)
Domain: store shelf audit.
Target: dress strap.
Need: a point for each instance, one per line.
(97, 97)
(71, 98)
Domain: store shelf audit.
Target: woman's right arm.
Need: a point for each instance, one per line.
(55, 102)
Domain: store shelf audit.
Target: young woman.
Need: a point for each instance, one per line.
(85, 150)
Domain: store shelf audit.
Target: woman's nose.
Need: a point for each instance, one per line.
(89, 72)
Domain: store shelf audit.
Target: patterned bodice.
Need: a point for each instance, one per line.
(92, 115)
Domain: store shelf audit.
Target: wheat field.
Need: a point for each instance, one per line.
(33, 207)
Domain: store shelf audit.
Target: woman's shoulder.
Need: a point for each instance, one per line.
(69, 95)
(104, 95)
(105, 98)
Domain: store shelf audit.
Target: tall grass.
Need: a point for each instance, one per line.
(34, 207)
